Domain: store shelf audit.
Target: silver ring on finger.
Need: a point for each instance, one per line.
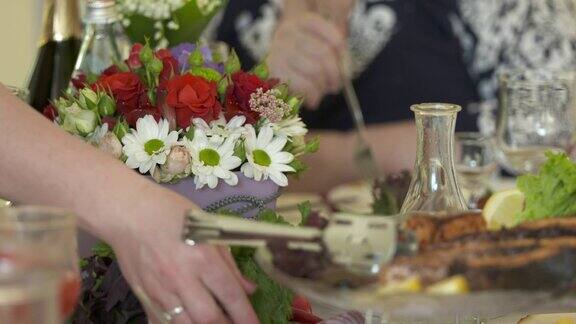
(174, 312)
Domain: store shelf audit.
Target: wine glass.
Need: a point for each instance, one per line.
(475, 165)
(537, 114)
(51, 233)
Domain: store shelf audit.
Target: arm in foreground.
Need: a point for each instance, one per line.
(41, 164)
(393, 145)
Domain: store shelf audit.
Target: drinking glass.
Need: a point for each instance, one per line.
(475, 165)
(28, 291)
(537, 114)
(51, 232)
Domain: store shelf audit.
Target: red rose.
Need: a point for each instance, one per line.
(125, 87)
(111, 121)
(163, 53)
(244, 85)
(233, 108)
(50, 112)
(192, 97)
(169, 70)
(133, 116)
(79, 81)
(112, 69)
(238, 95)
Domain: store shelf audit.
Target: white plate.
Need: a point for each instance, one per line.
(353, 198)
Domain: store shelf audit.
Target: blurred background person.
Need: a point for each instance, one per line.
(403, 52)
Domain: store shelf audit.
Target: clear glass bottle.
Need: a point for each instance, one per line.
(434, 189)
(104, 42)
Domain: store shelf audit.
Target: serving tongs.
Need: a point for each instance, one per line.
(350, 246)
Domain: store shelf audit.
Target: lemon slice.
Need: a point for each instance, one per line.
(450, 286)
(565, 320)
(4, 203)
(501, 208)
(410, 285)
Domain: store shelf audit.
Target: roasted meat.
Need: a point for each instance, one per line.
(536, 255)
(431, 230)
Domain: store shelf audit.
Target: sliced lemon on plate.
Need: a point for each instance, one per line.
(501, 208)
(450, 286)
(410, 285)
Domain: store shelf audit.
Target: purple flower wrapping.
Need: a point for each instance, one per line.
(182, 52)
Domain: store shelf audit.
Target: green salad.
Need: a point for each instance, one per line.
(551, 192)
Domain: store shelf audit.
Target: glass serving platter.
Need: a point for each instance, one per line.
(417, 306)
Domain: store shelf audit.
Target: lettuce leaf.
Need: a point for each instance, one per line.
(551, 192)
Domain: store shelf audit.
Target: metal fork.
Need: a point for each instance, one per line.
(363, 156)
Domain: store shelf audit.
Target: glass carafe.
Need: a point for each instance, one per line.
(434, 189)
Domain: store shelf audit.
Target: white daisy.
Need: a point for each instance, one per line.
(219, 129)
(149, 144)
(212, 161)
(291, 127)
(265, 158)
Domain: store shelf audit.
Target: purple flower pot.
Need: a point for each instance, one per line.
(247, 191)
(248, 197)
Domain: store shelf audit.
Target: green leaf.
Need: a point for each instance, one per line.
(313, 145)
(298, 166)
(269, 216)
(233, 63)
(551, 192)
(196, 59)
(305, 209)
(223, 86)
(207, 73)
(103, 250)
(192, 23)
(385, 203)
(190, 133)
(120, 129)
(261, 70)
(240, 150)
(271, 302)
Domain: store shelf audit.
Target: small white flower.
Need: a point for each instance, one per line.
(212, 161)
(219, 129)
(96, 136)
(149, 144)
(291, 127)
(265, 158)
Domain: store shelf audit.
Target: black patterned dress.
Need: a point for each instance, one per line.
(412, 51)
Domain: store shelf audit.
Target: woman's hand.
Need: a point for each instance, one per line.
(202, 279)
(306, 51)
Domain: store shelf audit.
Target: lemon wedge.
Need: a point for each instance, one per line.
(565, 320)
(410, 285)
(450, 286)
(501, 208)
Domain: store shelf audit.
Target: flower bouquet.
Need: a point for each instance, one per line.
(185, 115)
(169, 22)
(181, 115)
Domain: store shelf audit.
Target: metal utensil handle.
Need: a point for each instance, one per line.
(350, 94)
(200, 227)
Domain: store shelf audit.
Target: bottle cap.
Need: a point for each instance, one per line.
(101, 12)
